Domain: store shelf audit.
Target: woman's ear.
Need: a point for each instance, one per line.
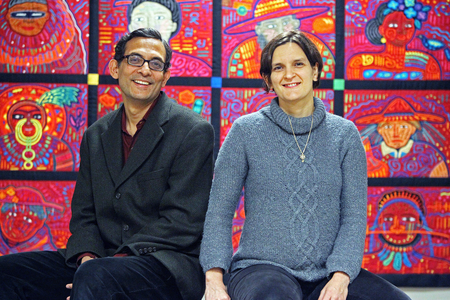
(316, 72)
(268, 83)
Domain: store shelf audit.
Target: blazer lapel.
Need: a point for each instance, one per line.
(112, 145)
(148, 138)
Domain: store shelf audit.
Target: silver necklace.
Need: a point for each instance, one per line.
(302, 156)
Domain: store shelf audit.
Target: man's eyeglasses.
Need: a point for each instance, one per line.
(139, 61)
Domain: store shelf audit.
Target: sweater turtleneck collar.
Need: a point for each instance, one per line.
(300, 125)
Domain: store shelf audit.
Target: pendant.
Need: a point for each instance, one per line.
(302, 157)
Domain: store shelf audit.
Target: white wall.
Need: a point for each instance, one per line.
(427, 293)
(424, 293)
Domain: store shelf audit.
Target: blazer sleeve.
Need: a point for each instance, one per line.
(183, 205)
(83, 225)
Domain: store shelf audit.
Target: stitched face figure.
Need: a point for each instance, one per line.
(22, 214)
(396, 134)
(27, 119)
(268, 29)
(27, 18)
(153, 15)
(397, 29)
(400, 218)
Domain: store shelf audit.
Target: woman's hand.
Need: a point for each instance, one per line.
(215, 289)
(336, 288)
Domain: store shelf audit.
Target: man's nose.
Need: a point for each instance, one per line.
(145, 69)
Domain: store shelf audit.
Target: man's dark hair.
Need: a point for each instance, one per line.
(292, 36)
(171, 5)
(146, 33)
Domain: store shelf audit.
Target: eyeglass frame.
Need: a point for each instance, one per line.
(145, 61)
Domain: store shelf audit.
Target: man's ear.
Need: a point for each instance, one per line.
(166, 77)
(114, 68)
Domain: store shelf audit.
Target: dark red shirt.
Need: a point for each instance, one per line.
(128, 141)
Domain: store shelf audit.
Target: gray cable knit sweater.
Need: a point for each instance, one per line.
(308, 218)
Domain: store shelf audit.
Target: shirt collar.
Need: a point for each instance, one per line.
(141, 123)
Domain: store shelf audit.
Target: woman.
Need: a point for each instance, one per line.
(305, 180)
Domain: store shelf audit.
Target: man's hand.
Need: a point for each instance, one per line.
(83, 260)
(215, 289)
(336, 288)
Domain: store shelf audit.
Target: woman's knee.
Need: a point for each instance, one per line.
(276, 292)
(264, 282)
(372, 287)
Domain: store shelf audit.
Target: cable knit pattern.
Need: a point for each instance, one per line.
(308, 218)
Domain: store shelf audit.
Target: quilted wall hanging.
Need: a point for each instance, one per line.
(386, 68)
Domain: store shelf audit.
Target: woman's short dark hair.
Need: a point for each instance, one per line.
(142, 32)
(293, 36)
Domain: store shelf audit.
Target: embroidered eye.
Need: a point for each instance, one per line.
(408, 219)
(17, 116)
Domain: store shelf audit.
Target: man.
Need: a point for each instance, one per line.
(141, 196)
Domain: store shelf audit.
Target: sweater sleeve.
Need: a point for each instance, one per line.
(229, 175)
(348, 248)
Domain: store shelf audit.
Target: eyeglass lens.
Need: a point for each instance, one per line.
(138, 61)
